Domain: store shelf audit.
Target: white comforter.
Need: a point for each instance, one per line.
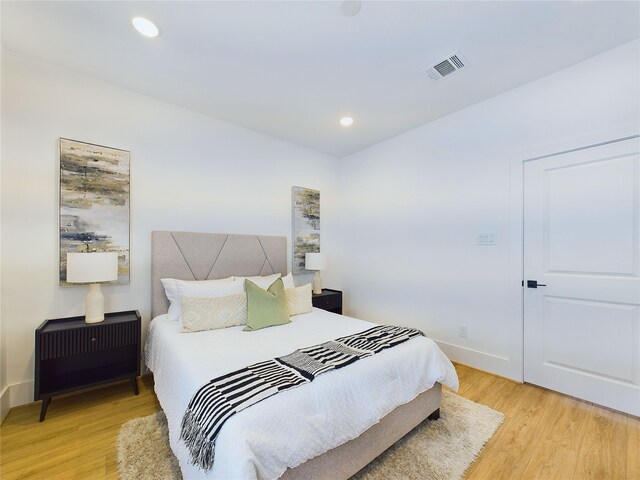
(291, 427)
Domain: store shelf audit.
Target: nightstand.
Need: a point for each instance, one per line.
(72, 355)
(330, 300)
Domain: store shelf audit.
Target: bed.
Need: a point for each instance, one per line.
(328, 429)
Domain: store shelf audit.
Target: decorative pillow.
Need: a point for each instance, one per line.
(191, 288)
(288, 281)
(263, 282)
(265, 308)
(204, 313)
(299, 300)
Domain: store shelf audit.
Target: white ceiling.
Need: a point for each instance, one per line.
(291, 69)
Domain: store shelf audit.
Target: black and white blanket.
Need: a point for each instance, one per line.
(214, 403)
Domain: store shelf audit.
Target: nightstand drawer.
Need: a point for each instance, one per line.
(65, 343)
(117, 335)
(330, 300)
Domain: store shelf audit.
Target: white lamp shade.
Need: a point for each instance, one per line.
(314, 261)
(92, 267)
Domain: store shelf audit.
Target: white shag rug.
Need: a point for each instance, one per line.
(439, 450)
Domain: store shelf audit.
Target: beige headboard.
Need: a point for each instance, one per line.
(205, 256)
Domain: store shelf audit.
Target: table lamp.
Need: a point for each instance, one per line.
(315, 261)
(92, 268)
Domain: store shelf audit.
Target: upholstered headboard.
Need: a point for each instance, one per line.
(205, 256)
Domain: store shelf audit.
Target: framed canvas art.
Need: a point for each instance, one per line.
(306, 225)
(94, 203)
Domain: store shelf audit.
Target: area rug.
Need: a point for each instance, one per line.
(440, 450)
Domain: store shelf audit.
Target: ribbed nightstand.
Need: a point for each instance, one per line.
(330, 300)
(72, 355)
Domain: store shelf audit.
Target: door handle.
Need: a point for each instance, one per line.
(535, 284)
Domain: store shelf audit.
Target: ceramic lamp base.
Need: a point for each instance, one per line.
(317, 283)
(94, 304)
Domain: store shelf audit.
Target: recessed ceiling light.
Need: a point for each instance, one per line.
(346, 121)
(145, 27)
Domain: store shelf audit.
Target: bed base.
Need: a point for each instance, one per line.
(346, 460)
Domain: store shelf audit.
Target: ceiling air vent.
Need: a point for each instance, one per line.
(446, 67)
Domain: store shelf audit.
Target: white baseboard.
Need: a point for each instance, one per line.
(4, 403)
(482, 361)
(21, 393)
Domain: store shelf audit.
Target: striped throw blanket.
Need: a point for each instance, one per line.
(214, 403)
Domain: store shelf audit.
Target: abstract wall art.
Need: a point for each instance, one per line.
(306, 225)
(94, 203)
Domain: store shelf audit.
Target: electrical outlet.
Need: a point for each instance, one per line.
(462, 333)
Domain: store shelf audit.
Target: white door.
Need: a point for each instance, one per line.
(582, 246)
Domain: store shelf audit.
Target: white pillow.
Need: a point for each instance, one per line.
(263, 282)
(208, 313)
(288, 281)
(299, 300)
(171, 291)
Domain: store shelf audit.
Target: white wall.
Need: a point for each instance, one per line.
(412, 206)
(188, 172)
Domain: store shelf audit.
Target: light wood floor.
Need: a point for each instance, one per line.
(545, 435)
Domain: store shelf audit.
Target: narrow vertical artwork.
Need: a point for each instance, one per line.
(94, 203)
(306, 225)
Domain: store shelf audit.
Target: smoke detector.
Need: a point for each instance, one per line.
(446, 67)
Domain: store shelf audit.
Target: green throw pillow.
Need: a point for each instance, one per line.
(265, 308)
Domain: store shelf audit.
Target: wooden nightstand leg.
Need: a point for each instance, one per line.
(43, 409)
(134, 384)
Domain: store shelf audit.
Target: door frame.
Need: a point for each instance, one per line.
(516, 213)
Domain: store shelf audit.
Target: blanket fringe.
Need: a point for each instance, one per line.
(201, 449)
